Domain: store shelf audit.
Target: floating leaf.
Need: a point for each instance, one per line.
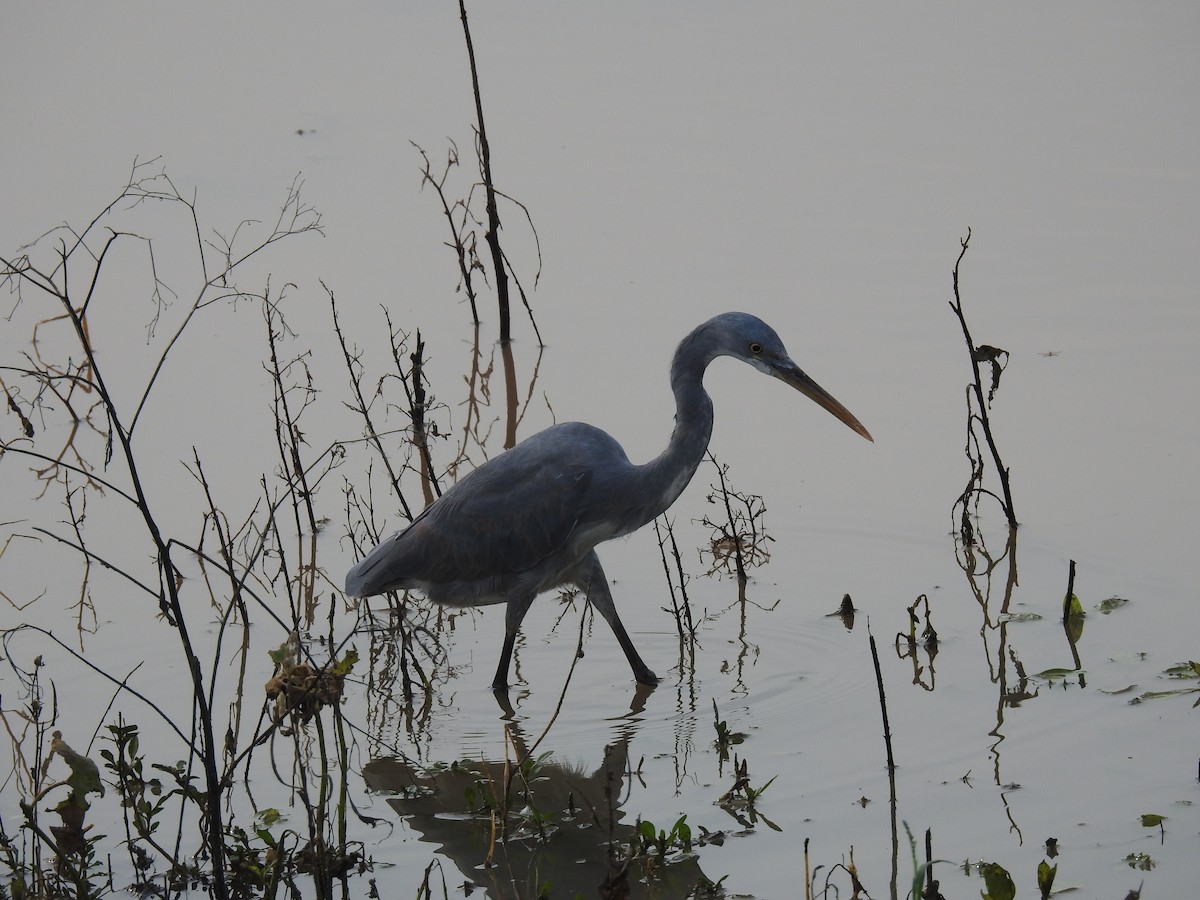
(1152, 820)
(1158, 695)
(1059, 673)
(999, 883)
(1023, 617)
(1074, 607)
(1183, 670)
(1112, 603)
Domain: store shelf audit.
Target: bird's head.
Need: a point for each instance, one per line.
(750, 339)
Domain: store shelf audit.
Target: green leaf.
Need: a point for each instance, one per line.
(760, 791)
(999, 883)
(1157, 695)
(647, 831)
(1152, 820)
(85, 775)
(682, 830)
(346, 663)
(1074, 628)
(1187, 669)
(1142, 861)
(1045, 876)
(1050, 674)
(1074, 607)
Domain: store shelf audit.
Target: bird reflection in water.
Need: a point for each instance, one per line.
(555, 824)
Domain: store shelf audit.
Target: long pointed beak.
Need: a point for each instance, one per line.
(792, 374)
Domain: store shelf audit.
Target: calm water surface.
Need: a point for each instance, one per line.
(817, 168)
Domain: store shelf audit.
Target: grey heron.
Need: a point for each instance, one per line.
(529, 519)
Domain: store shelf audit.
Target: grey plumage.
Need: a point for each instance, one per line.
(528, 520)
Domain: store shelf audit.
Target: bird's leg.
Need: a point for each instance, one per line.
(518, 605)
(595, 586)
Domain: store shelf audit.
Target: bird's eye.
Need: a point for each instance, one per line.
(755, 347)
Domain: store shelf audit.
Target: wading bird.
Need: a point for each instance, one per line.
(529, 520)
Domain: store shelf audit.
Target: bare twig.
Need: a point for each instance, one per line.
(983, 353)
(887, 728)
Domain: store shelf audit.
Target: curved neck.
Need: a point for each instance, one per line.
(663, 479)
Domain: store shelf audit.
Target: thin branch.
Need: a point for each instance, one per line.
(976, 357)
(492, 235)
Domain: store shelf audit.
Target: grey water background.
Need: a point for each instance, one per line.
(816, 166)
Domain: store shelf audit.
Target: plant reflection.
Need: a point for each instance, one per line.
(407, 658)
(987, 572)
(737, 543)
(991, 576)
(845, 612)
(517, 825)
(909, 646)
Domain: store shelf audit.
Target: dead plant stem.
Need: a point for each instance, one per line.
(977, 387)
(887, 728)
(492, 235)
